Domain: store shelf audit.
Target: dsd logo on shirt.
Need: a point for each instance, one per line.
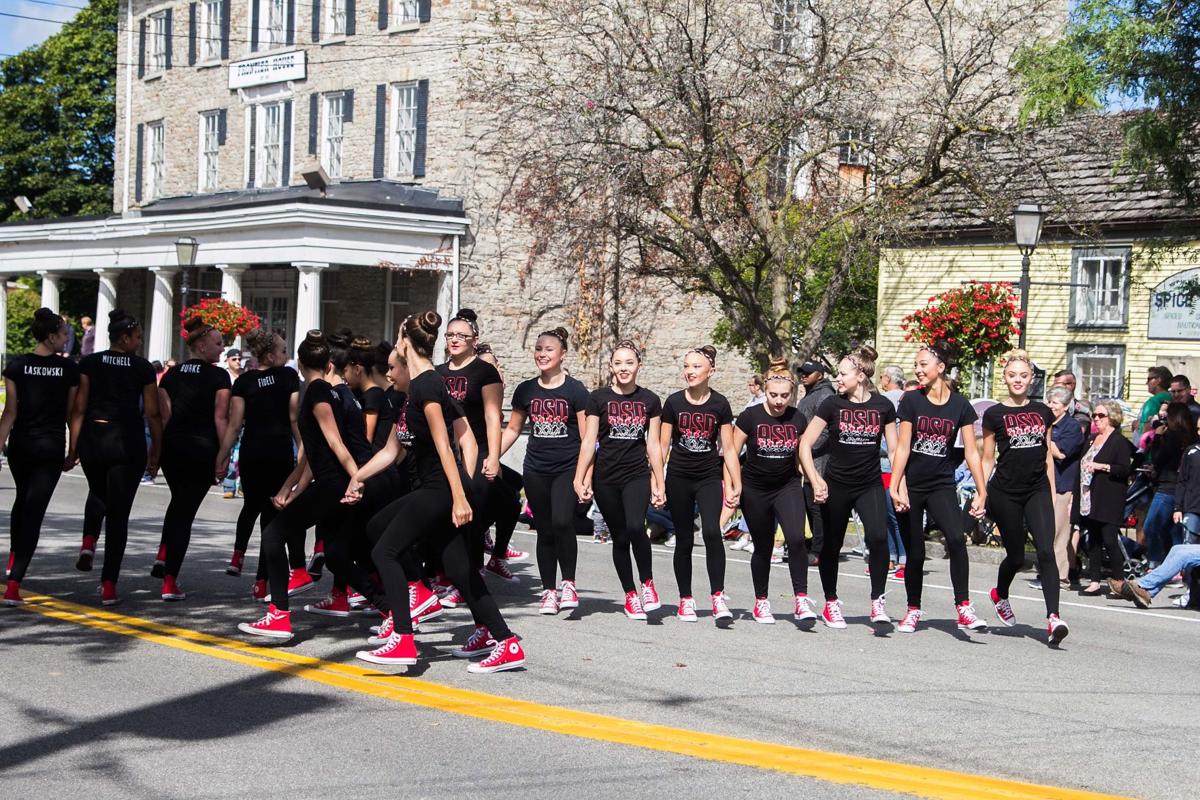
(626, 419)
(1025, 429)
(403, 434)
(696, 431)
(456, 385)
(548, 417)
(777, 441)
(859, 426)
(932, 436)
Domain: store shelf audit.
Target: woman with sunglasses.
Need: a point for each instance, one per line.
(1099, 508)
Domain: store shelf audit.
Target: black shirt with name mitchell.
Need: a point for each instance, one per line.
(42, 385)
(116, 385)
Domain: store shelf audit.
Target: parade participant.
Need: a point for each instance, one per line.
(621, 437)
(503, 541)
(858, 420)
(370, 387)
(697, 431)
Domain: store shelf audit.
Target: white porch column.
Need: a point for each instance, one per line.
(162, 315)
(231, 288)
(308, 299)
(3, 315)
(50, 289)
(106, 301)
(447, 296)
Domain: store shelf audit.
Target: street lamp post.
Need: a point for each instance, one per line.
(185, 253)
(1027, 221)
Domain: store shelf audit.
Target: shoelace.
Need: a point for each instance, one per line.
(719, 604)
(412, 597)
(834, 612)
(1004, 609)
(966, 613)
(480, 636)
(496, 654)
(689, 608)
(762, 608)
(878, 607)
(391, 644)
(548, 597)
(805, 605)
(911, 618)
(635, 603)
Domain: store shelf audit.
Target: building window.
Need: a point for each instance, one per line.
(787, 177)
(854, 147)
(1101, 296)
(331, 139)
(407, 12)
(158, 42)
(276, 23)
(335, 17)
(272, 145)
(404, 126)
(210, 144)
(1099, 369)
(210, 30)
(790, 23)
(158, 161)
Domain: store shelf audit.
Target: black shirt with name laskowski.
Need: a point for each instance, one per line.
(1021, 436)
(465, 385)
(42, 385)
(192, 387)
(624, 421)
(424, 390)
(267, 394)
(771, 445)
(553, 424)
(116, 387)
(931, 460)
(855, 433)
(696, 434)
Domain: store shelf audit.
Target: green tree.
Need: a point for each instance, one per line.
(21, 305)
(57, 119)
(1141, 52)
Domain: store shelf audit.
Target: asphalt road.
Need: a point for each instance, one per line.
(92, 712)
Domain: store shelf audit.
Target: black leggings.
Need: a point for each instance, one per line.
(623, 506)
(762, 508)
(499, 504)
(114, 465)
(552, 500)
(1012, 513)
(871, 506)
(35, 479)
(506, 518)
(320, 502)
(1101, 537)
(348, 548)
(262, 478)
(683, 496)
(816, 523)
(424, 514)
(947, 515)
(190, 473)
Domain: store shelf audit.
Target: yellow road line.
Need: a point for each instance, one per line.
(830, 767)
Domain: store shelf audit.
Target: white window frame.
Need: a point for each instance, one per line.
(1100, 275)
(272, 29)
(209, 151)
(208, 29)
(854, 147)
(333, 133)
(156, 160)
(790, 20)
(405, 13)
(786, 174)
(264, 148)
(403, 128)
(1112, 380)
(335, 17)
(156, 57)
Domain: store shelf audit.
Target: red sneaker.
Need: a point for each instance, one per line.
(259, 592)
(899, 573)
(1003, 608)
(633, 606)
(497, 567)
(1056, 629)
(108, 593)
(316, 562)
(422, 602)
(453, 599)
(87, 554)
(275, 625)
(159, 570)
(762, 611)
(549, 605)
(433, 612)
(300, 581)
(335, 605)
(441, 586)
(504, 656)
(967, 619)
(398, 651)
(832, 614)
(357, 601)
(171, 590)
(386, 629)
(515, 555)
(568, 597)
(650, 601)
(911, 617)
(235, 563)
(479, 644)
(12, 594)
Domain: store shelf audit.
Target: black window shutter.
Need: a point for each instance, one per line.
(285, 174)
(137, 173)
(425, 10)
(314, 100)
(422, 120)
(222, 126)
(225, 28)
(291, 22)
(316, 15)
(348, 106)
(142, 48)
(170, 39)
(252, 114)
(380, 128)
(191, 34)
(350, 17)
(383, 22)
(253, 28)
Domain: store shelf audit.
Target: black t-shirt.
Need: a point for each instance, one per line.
(321, 459)
(771, 445)
(192, 387)
(267, 394)
(352, 426)
(1020, 445)
(466, 386)
(116, 383)
(553, 424)
(42, 385)
(932, 458)
(375, 401)
(424, 389)
(696, 434)
(855, 433)
(624, 421)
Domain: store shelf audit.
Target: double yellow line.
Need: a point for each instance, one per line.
(820, 765)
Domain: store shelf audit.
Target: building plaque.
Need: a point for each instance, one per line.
(1175, 307)
(273, 68)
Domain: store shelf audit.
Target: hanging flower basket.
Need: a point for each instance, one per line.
(231, 319)
(979, 319)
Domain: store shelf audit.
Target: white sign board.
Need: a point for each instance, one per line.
(274, 68)
(1175, 307)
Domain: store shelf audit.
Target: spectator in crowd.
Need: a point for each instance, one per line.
(911, 384)
(69, 345)
(1181, 392)
(1079, 410)
(233, 363)
(891, 384)
(1158, 381)
(757, 396)
(1066, 446)
(1100, 492)
(817, 388)
(1175, 433)
(88, 344)
(1141, 592)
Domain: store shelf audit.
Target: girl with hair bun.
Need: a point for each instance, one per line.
(194, 397)
(771, 487)
(116, 387)
(40, 388)
(1018, 492)
(621, 437)
(697, 432)
(369, 386)
(858, 420)
(554, 404)
(931, 419)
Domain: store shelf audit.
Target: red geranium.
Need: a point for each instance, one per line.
(980, 318)
(231, 319)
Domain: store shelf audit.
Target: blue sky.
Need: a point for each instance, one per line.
(18, 34)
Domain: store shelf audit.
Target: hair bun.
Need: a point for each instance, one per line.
(561, 333)
(194, 324)
(44, 313)
(340, 338)
(361, 343)
(117, 315)
(315, 338)
(468, 314)
(777, 364)
(710, 352)
(868, 352)
(430, 322)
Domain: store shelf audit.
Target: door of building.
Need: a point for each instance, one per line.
(274, 308)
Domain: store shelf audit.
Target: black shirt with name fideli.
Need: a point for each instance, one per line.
(696, 434)
(192, 387)
(267, 394)
(553, 424)
(466, 386)
(855, 433)
(116, 385)
(322, 461)
(771, 445)
(1021, 436)
(43, 383)
(423, 390)
(624, 422)
(931, 460)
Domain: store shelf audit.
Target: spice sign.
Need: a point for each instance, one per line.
(274, 68)
(1175, 307)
